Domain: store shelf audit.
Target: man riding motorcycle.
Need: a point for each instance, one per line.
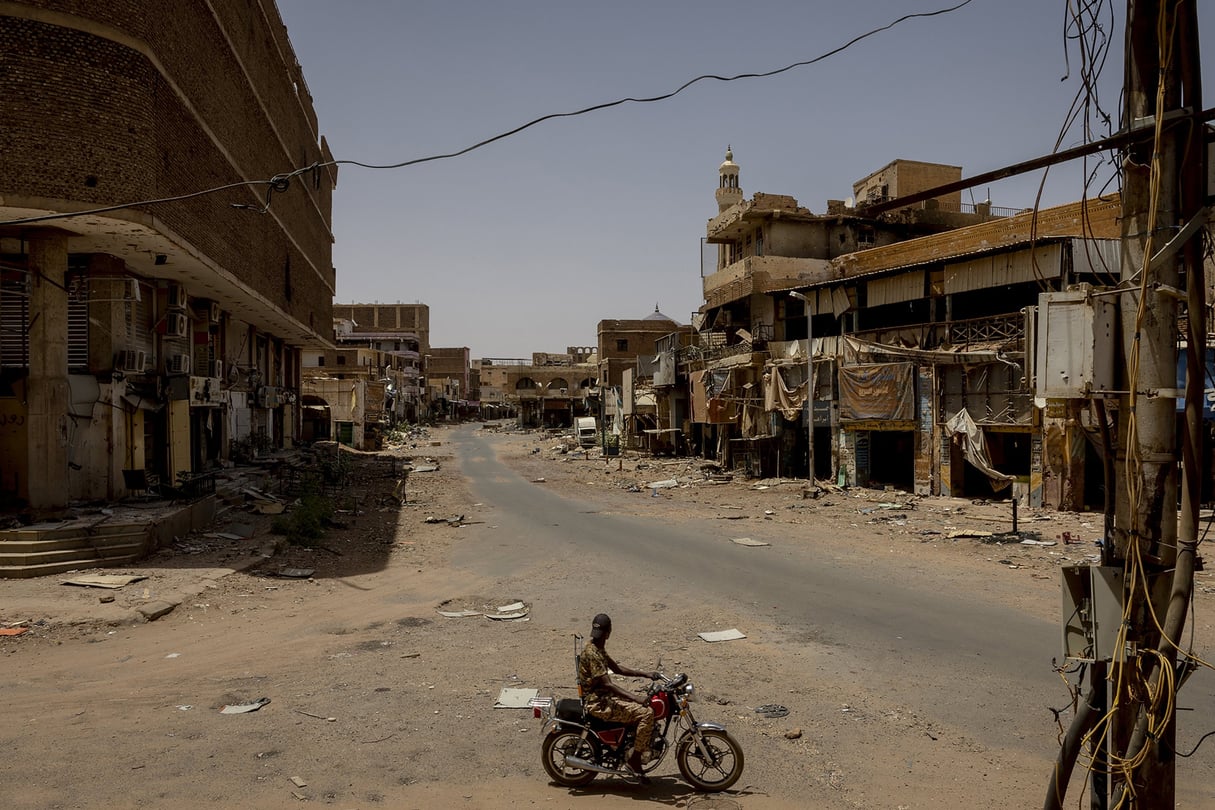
(604, 699)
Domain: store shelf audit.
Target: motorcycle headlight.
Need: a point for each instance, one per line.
(689, 693)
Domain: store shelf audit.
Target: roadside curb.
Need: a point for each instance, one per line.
(159, 608)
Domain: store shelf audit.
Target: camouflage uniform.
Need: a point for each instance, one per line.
(605, 704)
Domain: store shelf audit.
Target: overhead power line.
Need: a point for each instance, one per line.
(281, 182)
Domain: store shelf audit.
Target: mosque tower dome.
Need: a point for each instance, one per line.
(728, 191)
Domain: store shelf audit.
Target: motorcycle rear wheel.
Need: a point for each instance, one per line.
(561, 743)
(719, 770)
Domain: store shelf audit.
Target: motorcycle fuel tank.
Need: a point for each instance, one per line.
(659, 704)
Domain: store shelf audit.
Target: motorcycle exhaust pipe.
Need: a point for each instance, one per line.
(577, 762)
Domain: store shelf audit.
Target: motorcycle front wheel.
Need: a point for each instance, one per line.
(717, 768)
(559, 744)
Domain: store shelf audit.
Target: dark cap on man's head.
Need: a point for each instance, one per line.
(601, 625)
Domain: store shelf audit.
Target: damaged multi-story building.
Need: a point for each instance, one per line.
(165, 243)
(916, 319)
(549, 390)
(371, 380)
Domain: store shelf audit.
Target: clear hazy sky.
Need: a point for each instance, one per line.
(526, 244)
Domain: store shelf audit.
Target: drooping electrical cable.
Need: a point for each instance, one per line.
(281, 182)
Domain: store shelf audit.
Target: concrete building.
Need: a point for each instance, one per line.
(919, 345)
(141, 339)
(449, 383)
(401, 334)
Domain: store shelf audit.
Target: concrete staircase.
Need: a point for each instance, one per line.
(35, 551)
(125, 533)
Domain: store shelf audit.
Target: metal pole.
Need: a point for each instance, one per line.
(809, 386)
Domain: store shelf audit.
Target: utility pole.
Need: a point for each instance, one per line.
(1161, 269)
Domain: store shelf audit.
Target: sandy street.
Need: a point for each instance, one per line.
(378, 700)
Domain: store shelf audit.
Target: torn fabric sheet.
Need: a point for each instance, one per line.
(974, 448)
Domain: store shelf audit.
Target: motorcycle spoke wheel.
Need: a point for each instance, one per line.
(559, 744)
(718, 768)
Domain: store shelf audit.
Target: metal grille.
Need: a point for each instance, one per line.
(14, 324)
(78, 335)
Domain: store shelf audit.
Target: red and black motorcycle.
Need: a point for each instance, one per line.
(577, 747)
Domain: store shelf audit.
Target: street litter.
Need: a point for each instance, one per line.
(426, 468)
(13, 631)
(173, 655)
(103, 580)
(669, 483)
(538, 481)
(454, 520)
(1029, 541)
(747, 541)
(517, 616)
(722, 635)
(512, 606)
(460, 614)
(244, 708)
(269, 508)
(185, 707)
(293, 573)
(515, 698)
(968, 533)
(295, 780)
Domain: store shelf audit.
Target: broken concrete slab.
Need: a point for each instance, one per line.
(722, 635)
(103, 580)
(154, 610)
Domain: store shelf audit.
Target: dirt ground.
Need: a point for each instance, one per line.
(379, 701)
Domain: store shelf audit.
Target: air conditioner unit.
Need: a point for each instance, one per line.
(176, 324)
(178, 364)
(126, 361)
(177, 296)
(215, 369)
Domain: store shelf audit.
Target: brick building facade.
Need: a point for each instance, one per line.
(187, 313)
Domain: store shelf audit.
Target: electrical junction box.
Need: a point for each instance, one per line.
(1074, 345)
(1093, 600)
(1092, 611)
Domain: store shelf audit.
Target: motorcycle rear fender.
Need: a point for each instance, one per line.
(554, 723)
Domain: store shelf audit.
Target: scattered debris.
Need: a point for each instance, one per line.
(292, 573)
(956, 533)
(747, 541)
(317, 717)
(295, 780)
(421, 468)
(454, 520)
(772, 710)
(103, 580)
(460, 614)
(669, 483)
(510, 698)
(244, 708)
(13, 631)
(1029, 541)
(722, 635)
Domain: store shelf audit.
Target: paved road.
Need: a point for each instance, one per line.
(895, 623)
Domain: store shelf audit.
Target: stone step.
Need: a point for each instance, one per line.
(33, 566)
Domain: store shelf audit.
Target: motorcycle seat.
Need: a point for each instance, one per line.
(571, 709)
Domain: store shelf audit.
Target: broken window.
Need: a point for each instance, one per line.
(622, 345)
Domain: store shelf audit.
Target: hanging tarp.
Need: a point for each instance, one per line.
(884, 391)
(696, 385)
(780, 397)
(974, 448)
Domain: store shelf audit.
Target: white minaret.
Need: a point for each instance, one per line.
(728, 191)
